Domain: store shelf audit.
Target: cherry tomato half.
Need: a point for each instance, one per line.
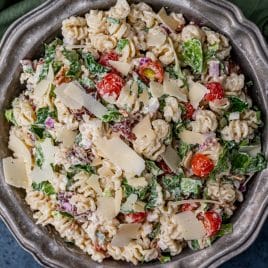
(111, 84)
(215, 91)
(201, 165)
(106, 57)
(137, 217)
(152, 70)
(189, 207)
(212, 222)
(189, 110)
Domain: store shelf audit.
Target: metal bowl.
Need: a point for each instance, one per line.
(24, 39)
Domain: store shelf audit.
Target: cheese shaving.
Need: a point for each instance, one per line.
(191, 137)
(67, 137)
(144, 128)
(171, 158)
(106, 208)
(191, 228)
(156, 89)
(15, 173)
(121, 155)
(125, 234)
(93, 182)
(117, 200)
(196, 93)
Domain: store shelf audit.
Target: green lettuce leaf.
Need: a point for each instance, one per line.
(44, 186)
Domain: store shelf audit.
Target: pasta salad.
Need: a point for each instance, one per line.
(135, 136)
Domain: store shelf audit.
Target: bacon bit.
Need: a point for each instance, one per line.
(61, 78)
(164, 167)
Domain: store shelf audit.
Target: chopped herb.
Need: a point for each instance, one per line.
(155, 231)
(82, 167)
(45, 187)
(39, 131)
(237, 105)
(211, 52)
(121, 44)
(164, 258)
(177, 128)
(192, 55)
(113, 20)
(9, 115)
(56, 65)
(141, 86)
(39, 156)
(153, 168)
(225, 229)
(112, 115)
(171, 71)
(93, 66)
(42, 114)
(190, 186)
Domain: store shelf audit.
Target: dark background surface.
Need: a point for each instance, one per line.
(13, 256)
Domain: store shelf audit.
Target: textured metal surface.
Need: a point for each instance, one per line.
(24, 39)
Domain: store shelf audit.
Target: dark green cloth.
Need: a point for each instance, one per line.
(255, 10)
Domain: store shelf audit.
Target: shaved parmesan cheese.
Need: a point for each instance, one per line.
(137, 182)
(191, 137)
(144, 128)
(171, 158)
(125, 234)
(20, 150)
(122, 67)
(67, 137)
(74, 96)
(49, 151)
(171, 23)
(41, 89)
(117, 200)
(196, 93)
(120, 154)
(93, 182)
(50, 74)
(192, 229)
(106, 208)
(42, 174)
(128, 205)
(156, 89)
(15, 173)
(172, 88)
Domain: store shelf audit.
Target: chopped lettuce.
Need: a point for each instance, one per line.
(226, 228)
(172, 184)
(190, 186)
(87, 82)
(155, 232)
(244, 164)
(50, 52)
(93, 66)
(141, 85)
(75, 67)
(39, 156)
(192, 55)
(45, 187)
(121, 44)
(141, 192)
(38, 130)
(237, 105)
(112, 115)
(183, 149)
(153, 168)
(153, 196)
(42, 114)
(82, 167)
(9, 115)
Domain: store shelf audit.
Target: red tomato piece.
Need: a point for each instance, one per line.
(152, 70)
(212, 222)
(201, 165)
(106, 57)
(111, 84)
(137, 217)
(189, 110)
(215, 91)
(164, 167)
(189, 207)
